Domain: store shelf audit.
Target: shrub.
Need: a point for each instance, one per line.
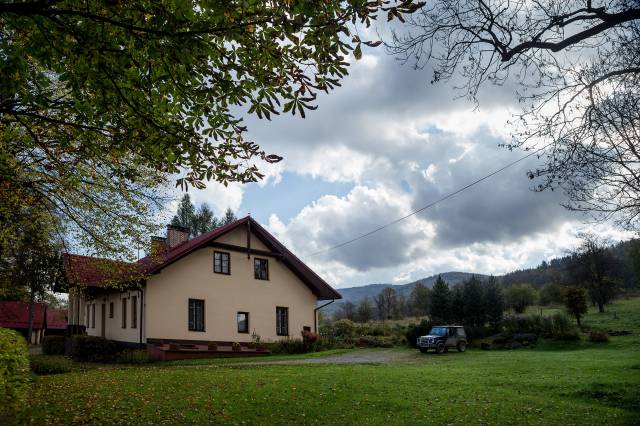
(93, 348)
(343, 328)
(14, 376)
(375, 342)
(599, 337)
(53, 345)
(133, 356)
(236, 347)
(50, 364)
(558, 327)
(477, 333)
(256, 342)
(416, 330)
(309, 337)
(289, 346)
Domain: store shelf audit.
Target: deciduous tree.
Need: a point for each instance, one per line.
(594, 267)
(32, 265)
(347, 310)
(365, 310)
(576, 302)
(576, 69)
(551, 293)
(101, 101)
(386, 302)
(519, 296)
(419, 300)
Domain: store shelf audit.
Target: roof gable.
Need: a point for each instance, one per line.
(85, 275)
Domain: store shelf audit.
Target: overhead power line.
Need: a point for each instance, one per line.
(428, 206)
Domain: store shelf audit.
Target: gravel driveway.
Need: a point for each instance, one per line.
(362, 356)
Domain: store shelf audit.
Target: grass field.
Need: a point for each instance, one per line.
(577, 383)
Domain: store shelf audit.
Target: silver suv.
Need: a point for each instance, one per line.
(443, 337)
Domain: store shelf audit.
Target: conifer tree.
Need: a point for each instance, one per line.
(440, 304)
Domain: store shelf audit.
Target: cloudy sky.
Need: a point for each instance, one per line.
(386, 143)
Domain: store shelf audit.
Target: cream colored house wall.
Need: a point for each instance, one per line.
(113, 326)
(166, 295)
(225, 295)
(238, 237)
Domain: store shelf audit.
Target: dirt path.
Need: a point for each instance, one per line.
(362, 356)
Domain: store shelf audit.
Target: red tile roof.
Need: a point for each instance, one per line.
(96, 272)
(16, 315)
(83, 270)
(57, 319)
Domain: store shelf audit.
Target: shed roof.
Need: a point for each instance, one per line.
(15, 314)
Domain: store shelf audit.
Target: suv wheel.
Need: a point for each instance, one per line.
(462, 346)
(440, 348)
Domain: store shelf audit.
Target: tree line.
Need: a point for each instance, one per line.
(472, 302)
(590, 273)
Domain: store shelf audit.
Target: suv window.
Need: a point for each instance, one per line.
(438, 331)
(460, 332)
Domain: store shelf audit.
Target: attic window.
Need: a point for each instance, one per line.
(261, 268)
(221, 263)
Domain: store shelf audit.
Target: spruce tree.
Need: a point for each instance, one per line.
(197, 221)
(493, 302)
(457, 305)
(229, 217)
(185, 216)
(204, 220)
(473, 302)
(440, 304)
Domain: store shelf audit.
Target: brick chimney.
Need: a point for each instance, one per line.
(158, 245)
(176, 235)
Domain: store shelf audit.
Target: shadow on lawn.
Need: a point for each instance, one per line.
(618, 395)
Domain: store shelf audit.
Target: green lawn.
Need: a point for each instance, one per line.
(581, 383)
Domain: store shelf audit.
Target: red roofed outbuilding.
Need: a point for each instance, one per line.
(46, 320)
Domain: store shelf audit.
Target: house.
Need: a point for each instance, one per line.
(228, 285)
(46, 320)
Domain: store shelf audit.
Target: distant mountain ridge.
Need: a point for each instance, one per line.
(548, 271)
(356, 294)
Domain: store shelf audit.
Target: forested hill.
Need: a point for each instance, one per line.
(549, 271)
(558, 269)
(355, 294)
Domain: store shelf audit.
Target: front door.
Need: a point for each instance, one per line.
(103, 317)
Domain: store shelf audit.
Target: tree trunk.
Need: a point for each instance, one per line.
(600, 307)
(578, 320)
(30, 321)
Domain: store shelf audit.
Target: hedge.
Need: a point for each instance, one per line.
(53, 345)
(14, 376)
(51, 364)
(93, 348)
